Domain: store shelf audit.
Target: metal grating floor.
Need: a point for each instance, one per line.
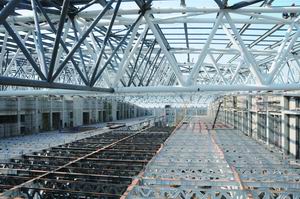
(100, 166)
(197, 162)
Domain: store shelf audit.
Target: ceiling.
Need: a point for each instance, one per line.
(188, 52)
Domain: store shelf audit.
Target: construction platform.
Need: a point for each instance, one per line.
(198, 162)
(191, 162)
(18, 145)
(98, 164)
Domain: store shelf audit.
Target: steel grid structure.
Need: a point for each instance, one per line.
(220, 163)
(129, 47)
(100, 166)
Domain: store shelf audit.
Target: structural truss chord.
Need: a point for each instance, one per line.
(130, 47)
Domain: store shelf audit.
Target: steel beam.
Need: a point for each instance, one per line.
(146, 68)
(39, 44)
(133, 28)
(220, 4)
(82, 38)
(106, 38)
(248, 57)
(202, 88)
(283, 52)
(61, 23)
(25, 51)
(164, 48)
(131, 77)
(44, 84)
(153, 68)
(243, 4)
(80, 51)
(7, 10)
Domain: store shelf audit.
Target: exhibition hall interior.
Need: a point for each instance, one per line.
(149, 99)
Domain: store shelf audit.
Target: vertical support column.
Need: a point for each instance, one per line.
(249, 100)
(101, 109)
(120, 106)
(37, 117)
(224, 110)
(256, 120)
(268, 126)
(292, 128)
(243, 121)
(222, 116)
(292, 135)
(232, 118)
(267, 121)
(96, 109)
(87, 108)
(238, 119)
(119, 109)
(50, 113)
(123, 110)
(225, 115)
(135, 111)
(297, 140)
(18, 116)
(63, 113)
(284, 125)
(130, 110)
(91, 110)
(77, 111)
(114, 105)
(175, 117)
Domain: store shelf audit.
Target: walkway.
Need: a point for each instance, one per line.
(197, 162)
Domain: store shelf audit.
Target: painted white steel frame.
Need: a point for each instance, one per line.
(225, 59)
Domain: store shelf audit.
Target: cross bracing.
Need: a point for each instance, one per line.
(129, 47)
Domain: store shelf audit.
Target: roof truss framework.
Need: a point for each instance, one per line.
(73, 45)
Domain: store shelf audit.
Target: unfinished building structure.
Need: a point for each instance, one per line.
(271, 119)
(28, 114)
(150, 99)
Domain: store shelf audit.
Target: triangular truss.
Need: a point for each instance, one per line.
(136, 46)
